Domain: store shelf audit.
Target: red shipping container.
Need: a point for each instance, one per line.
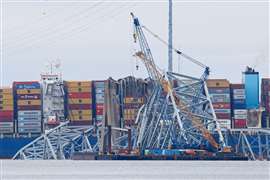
(99, 106)
(99, 111)
(240, 123)
(6, 113)
(129, 123)
(221, 105)
(33, 107)
(223, 116)
(79, 106)
(267, 104)
(25, 82)
(81, 122)
(6, 119)
(237, 86)
(265, 89)
(80, 95)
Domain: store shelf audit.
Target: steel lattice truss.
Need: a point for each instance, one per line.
(161, 124)
(60, 143)
(253, 143)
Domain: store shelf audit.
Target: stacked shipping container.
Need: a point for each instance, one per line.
(99, 87)
(131, 108)
(6, 111)
(265, 100)
(28, 106)
(238, 99)
(79, 102)
(219, 90)
(133, 93)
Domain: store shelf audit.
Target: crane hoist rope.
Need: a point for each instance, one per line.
(175, 50)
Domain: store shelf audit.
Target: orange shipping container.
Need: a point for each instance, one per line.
(28, 91)
(6, 102)
(79, 89)
(6, 108)
(6, 96)
(74, 84)
(28, 102)
(6, 91)
(79, 101)
(211, 83)
(130, 100)
(80, 117)
(80, 112)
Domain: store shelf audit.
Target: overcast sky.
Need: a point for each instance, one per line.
(93, 39)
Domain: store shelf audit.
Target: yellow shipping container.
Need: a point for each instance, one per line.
(6, 97)
(215, 83)
(131, 100)
(129, 117)
(28, 91)
(79, 101)
(80, 112)
(80, 117)
(28, 102)
(74, 84)
(6, 108)
(79, 89)
(6, 102)
(127, 111)
(5, 90)
(126, 116)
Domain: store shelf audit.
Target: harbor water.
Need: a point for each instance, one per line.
(139, 170)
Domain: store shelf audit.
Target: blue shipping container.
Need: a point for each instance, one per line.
(265, 120)
(219, 90)
(28, 86)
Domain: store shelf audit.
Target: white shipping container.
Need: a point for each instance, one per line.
(29, 118)
(228, 111)
(240, 111)
(99, 84)
(36, 124)
(6, 124)
(220, 100)
(99, 117)
(240, 116)
(4, 130)
(239, 91)
(236, 96)
(29, 130)
(224, 96)
(100, 96)
(29, 113)
(224, 124)
(100, 91)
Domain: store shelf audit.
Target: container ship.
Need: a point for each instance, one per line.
(30, 108)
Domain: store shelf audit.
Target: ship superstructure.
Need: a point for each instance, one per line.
(53, 95)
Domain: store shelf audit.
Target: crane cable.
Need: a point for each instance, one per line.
(176, 50)
(79, 29)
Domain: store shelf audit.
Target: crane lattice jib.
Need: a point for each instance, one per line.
(145, 53)
(146, 56)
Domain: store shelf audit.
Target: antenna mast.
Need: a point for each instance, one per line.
(170, 55)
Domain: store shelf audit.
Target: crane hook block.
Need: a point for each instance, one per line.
(135, 37)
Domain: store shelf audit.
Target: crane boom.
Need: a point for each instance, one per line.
(146, 56)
